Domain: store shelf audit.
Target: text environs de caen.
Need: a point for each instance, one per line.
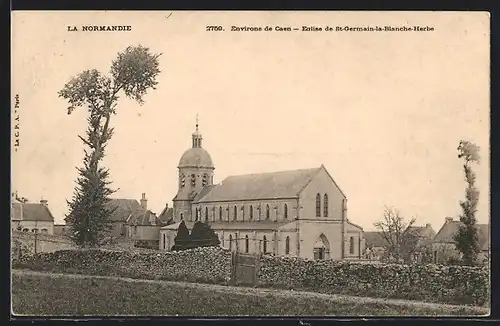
(100, 28)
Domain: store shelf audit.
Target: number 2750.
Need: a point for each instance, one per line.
(214, 28)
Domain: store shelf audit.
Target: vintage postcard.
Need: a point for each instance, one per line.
(266, 163)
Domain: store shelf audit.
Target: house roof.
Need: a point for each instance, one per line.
(124, 208)
(273, 185)
(166, 215)
(143, 218)
(31, 212)
(234, 225)
(374, 239)
(448, 230)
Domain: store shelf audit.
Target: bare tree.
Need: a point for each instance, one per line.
(400, 240)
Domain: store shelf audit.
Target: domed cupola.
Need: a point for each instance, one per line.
(196, 156)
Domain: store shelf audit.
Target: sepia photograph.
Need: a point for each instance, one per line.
(250, 163)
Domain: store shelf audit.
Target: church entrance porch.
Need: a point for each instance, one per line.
(321, 249)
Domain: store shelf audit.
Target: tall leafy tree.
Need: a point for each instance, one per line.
(466, 238)
(133, 73)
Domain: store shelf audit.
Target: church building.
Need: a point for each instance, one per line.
(299, 213)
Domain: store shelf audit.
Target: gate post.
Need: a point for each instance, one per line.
(233, 268)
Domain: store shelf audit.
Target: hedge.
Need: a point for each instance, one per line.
(206, 265)
(432, 283)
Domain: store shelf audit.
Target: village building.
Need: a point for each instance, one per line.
(421, 240)
(298, 213)
(444, 248)
(31, 217)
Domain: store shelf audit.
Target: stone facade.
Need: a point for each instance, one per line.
(297, 213)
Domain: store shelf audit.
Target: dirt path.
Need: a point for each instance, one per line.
(266, 292)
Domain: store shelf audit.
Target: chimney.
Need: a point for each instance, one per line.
(144, 201)
(448, 219)
(428, 226)
(44, 202)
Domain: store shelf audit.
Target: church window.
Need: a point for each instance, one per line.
(318, 205)
(206, 214)
(267, 212)
(287, 245)
(243, 213)
(264, 244)
(230, 241)
(325, 205)
(351, 245)
(204, 180)
(25, 230)
(183, 180)
(246, 243)
(285, 211)
(193, 180)
(235, 217)
(164, 241)
(220, 212)
(251, 212)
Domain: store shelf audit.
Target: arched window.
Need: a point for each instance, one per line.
(351, 246)
(251, 212)
(25, 230)
(264, 244)
(246, 243)
(267, 212)
(34, 230)
(193, 180)
(220, 212)
(287, 245)
(318, 205)
(206, 214)
(235, 212)
(45, 230)
(325, 205)
(285, 211)
(230, 242)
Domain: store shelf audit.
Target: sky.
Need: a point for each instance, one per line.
(383, 111)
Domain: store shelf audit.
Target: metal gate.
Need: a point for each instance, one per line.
(245, 268)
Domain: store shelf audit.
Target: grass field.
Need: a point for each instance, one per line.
(63, 295)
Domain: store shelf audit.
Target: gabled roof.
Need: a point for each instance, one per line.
(124, 208)
(166, 215)
(450, 228)
(143, 218)
(273, 185)
(374, 239)
(31, 212)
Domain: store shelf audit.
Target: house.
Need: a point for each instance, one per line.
(143, 226)
(444, 248)
(299, 212)
(61, 229)
(421, 236)
(31, 217)
(131, 220)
